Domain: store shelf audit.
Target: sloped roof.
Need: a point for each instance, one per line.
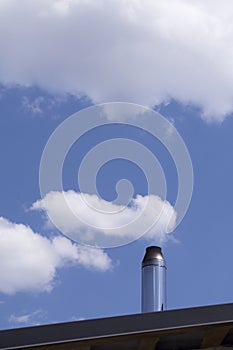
(193, 328)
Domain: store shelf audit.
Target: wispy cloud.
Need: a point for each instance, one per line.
(30, 262)
(35, 106)
(150, 51)
(45, 105)
(33, 318)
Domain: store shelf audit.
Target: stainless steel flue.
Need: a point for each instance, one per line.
(153, 280)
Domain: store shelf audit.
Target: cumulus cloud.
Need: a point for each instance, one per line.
(29, 261)
(92, 220)
(126, 50)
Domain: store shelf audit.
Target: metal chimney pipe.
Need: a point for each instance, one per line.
(153, 280)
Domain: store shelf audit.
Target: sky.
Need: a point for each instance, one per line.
(116, 122)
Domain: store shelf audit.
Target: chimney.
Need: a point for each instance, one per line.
(153, 280)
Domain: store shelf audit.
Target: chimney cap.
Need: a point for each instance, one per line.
(153, 252)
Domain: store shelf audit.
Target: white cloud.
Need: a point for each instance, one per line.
(35, 106)
(92, 220)
(33, 318)
(43, 105)
(142, 51)
(29, 261)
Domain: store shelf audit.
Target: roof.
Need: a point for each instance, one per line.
(192, 328)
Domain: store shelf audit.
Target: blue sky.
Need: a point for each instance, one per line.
(175, 59)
